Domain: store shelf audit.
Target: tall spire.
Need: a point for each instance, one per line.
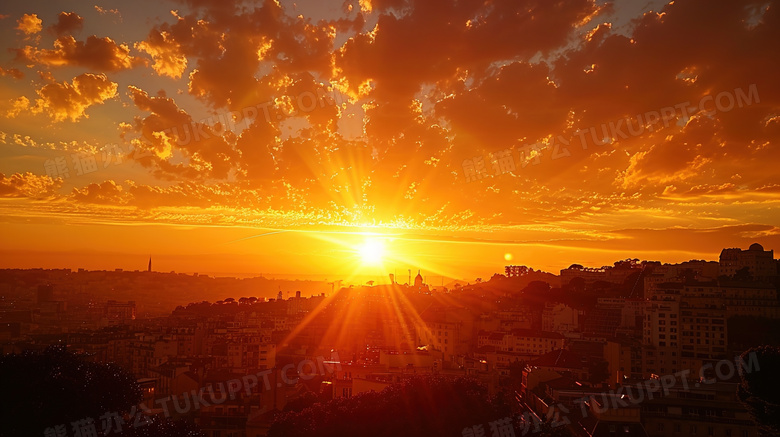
(149, 269)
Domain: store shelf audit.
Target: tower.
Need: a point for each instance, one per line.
(418, 280)
(149, 269)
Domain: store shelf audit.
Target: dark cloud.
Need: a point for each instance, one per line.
(97, 54)
(12, 72)
(67, 23)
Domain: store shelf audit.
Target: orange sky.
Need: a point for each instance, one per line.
(280, 137)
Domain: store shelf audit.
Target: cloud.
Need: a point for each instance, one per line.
(503, 104)
(226, 46)
(710, 240)
(29, 24)
(104, 11)
(434, 83)
(434, 41)
(107, 192)
(28, 185)
(98, 54)
(12, 72)
(18, 105)
(724, 192)
(168, 58)
(184, 194)
(168, 131)
(67, 23)
(69, 101)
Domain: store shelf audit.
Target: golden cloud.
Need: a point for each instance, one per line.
(28, 185)
(69, 101)
(17, 106)
(107, 192)
(104, 11)
(99, 54)
(167, 55)
(29, 24)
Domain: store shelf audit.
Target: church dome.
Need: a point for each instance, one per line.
(756, 246)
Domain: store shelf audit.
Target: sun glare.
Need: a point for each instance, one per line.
(372, 252)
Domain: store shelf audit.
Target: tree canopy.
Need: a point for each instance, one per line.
(420, 406)
(58, 387)
(759, 389)
(57, 390)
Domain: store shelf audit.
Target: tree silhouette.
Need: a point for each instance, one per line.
(55, 387)
(302, 402)
(743, 274)
(598, 372)
(156, 427)
(759, 389)
(516, 373)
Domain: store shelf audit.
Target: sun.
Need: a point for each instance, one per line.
(372, 252)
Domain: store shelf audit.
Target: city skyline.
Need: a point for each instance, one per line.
(464, 268)
(639, 346)
(379, 278)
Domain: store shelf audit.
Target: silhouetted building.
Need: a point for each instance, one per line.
(760, 262)
(698, 410)
(120, 313)
(45, 293)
